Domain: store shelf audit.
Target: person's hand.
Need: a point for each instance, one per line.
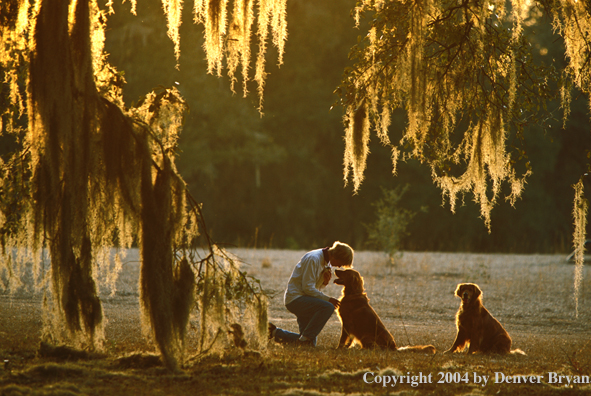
(334, 302)
(327, 275)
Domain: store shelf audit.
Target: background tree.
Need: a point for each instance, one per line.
(101, 173)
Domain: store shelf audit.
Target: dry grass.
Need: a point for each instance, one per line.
(531, 295)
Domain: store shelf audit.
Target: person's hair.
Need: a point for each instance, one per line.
(342, 252)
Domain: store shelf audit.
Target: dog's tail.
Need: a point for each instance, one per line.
(419, 348)
(517, 352)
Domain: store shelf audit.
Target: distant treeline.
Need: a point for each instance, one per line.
(276, 181)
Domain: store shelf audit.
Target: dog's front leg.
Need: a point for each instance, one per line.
(461, 339)
(344, 341)
(475, 345)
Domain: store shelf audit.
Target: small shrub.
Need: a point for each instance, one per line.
(266, 263)
(387, 231)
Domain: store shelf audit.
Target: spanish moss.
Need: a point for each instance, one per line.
(580, 215)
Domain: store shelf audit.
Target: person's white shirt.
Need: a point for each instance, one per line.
(307, 277)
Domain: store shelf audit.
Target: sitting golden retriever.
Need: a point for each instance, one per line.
(359, 320)
(476, 326)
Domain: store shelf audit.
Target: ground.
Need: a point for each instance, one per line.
(531, 295)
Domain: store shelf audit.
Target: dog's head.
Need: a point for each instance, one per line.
(351, 279)
(468, 292)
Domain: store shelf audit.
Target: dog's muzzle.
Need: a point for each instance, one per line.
(466, 296)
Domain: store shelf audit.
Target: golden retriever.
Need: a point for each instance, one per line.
(476, 327)
(359, 320)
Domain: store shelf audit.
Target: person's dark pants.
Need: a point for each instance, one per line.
(312, 314)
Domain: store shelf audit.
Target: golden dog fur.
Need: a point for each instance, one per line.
(359, 320)
(476, 327)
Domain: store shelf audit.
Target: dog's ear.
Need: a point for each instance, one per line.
(458, 291)
(477, 291)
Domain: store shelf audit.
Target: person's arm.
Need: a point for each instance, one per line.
(310, 278)
(327, 276)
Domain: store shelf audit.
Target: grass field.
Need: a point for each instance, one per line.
(531, 295)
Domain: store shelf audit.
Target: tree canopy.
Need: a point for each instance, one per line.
(463, 73)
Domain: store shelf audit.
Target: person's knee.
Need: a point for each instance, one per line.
(327, 307)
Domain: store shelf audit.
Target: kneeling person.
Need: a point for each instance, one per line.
(303, 297)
